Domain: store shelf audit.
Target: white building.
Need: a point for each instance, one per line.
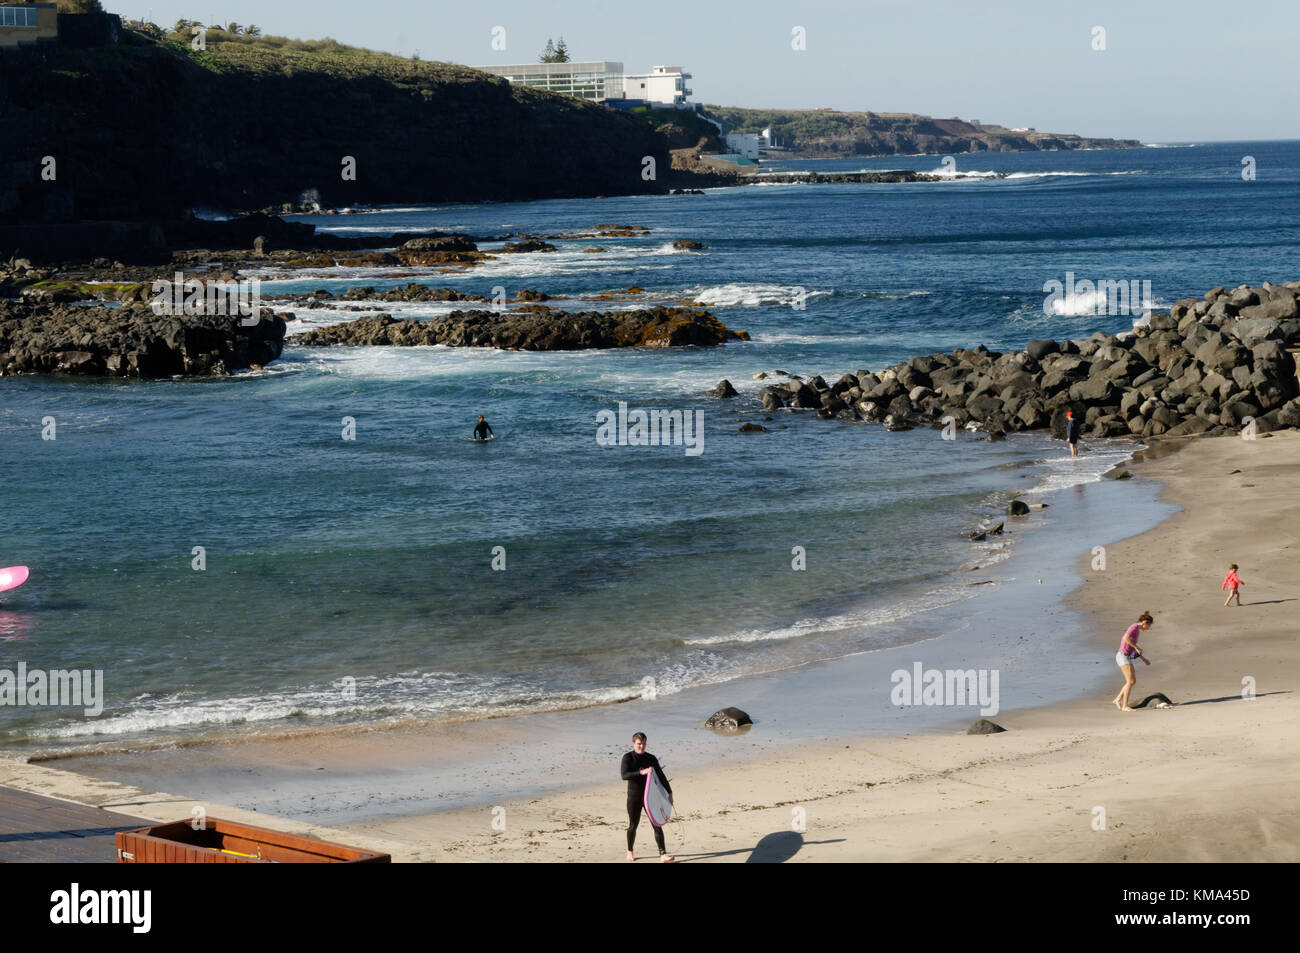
(596, 81)
(746, 144)
(663, 84)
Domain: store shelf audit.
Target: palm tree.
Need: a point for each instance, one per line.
(252, 30)
(234, 29)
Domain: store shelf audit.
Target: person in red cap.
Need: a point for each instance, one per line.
(1072, 429)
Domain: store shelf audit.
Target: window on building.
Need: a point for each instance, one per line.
(18, 16)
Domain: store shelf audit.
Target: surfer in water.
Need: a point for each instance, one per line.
(1072, 430)
(482, 429)
(636, 765)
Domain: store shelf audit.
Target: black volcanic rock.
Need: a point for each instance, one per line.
(535, 328)
(130, 341)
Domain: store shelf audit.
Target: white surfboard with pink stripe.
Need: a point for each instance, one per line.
(658, 805)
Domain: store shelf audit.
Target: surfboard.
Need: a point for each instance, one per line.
(13, 577)
(658, 807)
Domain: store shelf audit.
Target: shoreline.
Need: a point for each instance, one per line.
(1212, 783)
(792, 705)
(1208, 781)
(927, 608)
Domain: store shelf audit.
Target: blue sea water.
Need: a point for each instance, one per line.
(353, 581)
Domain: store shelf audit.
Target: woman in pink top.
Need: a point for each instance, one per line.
(1232, 580)
(1128, 651)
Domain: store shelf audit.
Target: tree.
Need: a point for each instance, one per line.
(252, 30)
(561, 52)
(548, 54)
(234, 29)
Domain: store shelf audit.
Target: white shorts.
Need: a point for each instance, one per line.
(1121, 659)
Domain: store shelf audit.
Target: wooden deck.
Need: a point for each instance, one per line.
(35, 829)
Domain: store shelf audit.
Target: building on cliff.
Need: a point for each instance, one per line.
(595, 81)
(28, 23)
(602, 81)
(665, 85)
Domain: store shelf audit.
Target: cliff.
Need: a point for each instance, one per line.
(150, 128)
(823, 133)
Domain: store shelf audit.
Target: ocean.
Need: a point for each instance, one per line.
(235, 567)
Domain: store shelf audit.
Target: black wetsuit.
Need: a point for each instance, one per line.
(1072, 430)
(481, 430)
(631, 771)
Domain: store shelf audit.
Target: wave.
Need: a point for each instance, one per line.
(403, 695)
(1097, 303)
(863, 619)
(1010, 176)
(1064, 471)
(748, 294)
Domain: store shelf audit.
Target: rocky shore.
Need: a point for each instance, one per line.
(1212, 365)
(130, 341)
(839, 178)
(534, 328)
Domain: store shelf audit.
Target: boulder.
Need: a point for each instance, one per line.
(869, 410)
(728, 718)
(1289, 414)
(752, 428)
(1041, 349)
(441, 243)
(984, 727)
(1252, 331)
(1094, 391)
(1191, 427)
(724, 389)
(1032, 413)
(896, 422)
(1017, 508)
(983, 406)
(527, 245)
(805, 396)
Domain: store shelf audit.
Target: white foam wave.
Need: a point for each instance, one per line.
(988, 174)
(409, 694)
(1097, 303)
(1061, 472)
(866, 618)
(751, 295)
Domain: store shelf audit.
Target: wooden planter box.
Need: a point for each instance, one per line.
(225, 842)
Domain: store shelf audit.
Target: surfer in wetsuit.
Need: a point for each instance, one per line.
(636, 765)
(482, 429)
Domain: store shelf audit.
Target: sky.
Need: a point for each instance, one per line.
(1184, 71)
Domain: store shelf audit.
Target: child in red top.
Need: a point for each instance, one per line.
(1232, 580)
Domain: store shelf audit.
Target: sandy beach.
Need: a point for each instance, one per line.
(1211, 779)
